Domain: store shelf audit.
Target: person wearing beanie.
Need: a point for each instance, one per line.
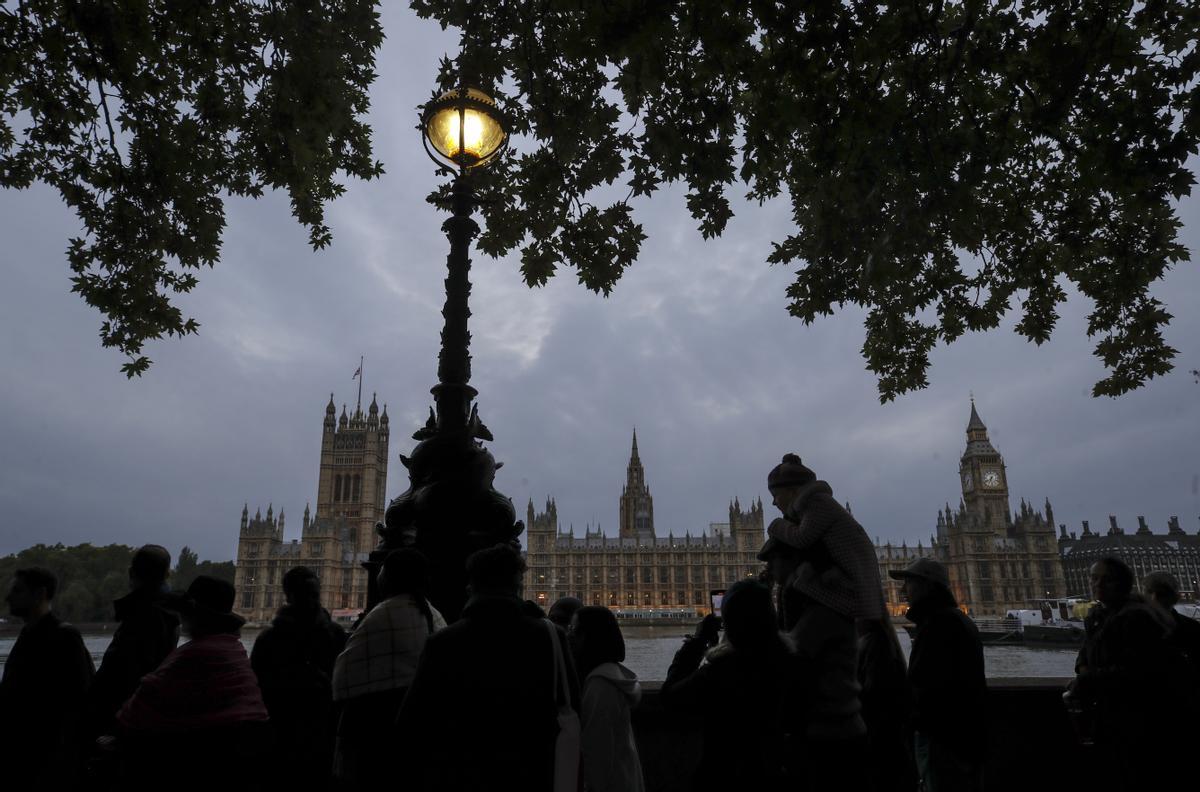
(844, 573)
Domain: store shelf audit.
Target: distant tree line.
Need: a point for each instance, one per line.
(91, 577)
(189, 566)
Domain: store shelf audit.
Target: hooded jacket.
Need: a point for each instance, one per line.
(610, 756)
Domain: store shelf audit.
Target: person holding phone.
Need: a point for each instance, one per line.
(715, 597)
(738, 695)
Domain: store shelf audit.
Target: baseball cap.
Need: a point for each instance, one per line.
(925, 568)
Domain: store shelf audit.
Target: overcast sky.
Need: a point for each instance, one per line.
(694, 347)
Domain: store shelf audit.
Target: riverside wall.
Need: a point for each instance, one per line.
(1031, 742)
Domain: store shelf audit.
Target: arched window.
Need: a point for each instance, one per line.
(357, 488)
(337, 488)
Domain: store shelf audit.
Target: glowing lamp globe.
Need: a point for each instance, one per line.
(464, 127)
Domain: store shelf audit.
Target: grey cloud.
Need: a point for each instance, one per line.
(694, 347)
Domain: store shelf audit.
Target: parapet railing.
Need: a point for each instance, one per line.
(998, 625)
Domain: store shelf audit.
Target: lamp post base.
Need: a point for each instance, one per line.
(450, 510)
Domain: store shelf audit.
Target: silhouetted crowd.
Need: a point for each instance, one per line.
(800, 683)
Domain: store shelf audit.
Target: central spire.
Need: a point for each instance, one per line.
(635, 474)
(637, 506)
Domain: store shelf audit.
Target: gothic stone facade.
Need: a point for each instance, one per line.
(997, 561)
(638, 573)
(334, 543)
(1176, 552)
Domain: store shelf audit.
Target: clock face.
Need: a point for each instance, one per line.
(991, 478)
(968, 481)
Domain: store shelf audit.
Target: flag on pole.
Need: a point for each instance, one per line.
(357, 373)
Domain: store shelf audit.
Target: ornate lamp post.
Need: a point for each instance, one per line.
(464, 126)
(451, 508)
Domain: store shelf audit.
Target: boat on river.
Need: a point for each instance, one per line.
(1054, 622)
(1057, 622)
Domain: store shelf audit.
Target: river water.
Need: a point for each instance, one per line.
(648, 653)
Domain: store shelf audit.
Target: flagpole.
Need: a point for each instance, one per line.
(360, 379)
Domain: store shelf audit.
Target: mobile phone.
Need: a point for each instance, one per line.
(716, 598)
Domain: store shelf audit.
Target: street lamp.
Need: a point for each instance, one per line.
(464, 126)
(450, 508)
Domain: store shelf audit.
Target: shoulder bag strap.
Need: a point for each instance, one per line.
(562, 694)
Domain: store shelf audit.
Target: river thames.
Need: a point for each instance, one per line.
(648, 653)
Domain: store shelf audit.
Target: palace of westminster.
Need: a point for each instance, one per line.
(998, 560)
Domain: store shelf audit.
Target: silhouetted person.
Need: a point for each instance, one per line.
(830, 539)
(740, 696)
(827, 737)
(198, 721)
(949, 688)
(1137, 684)
(482, 712)
(886, 706)
(42, 691)
(563, 609)
(1111, 582)
(373, 674)
(1162, 589)
(146, 635)
(293, 660)
(610, 692)
(782, 563)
